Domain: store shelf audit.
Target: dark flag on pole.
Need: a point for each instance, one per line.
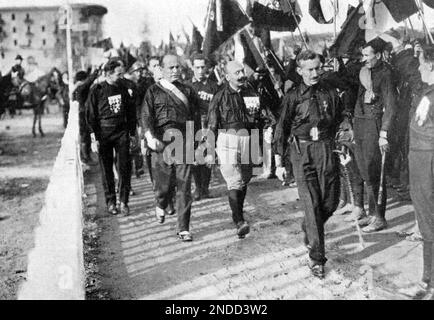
(401, 9)
(429, 3)
(315, 11)
(351, 36)
(274, 20)
(233, 19)
(196, 40)
(252, 56)
(171, 42)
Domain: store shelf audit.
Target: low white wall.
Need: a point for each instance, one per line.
(55, 265)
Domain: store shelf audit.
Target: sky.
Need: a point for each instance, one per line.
(126, 19)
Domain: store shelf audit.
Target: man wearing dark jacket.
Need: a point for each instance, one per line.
(373, 115)
(83, 82)
(111, 116)
(205, 89)
(169, 106)
(311, 113)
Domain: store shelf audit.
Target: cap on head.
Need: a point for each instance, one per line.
(19, 57)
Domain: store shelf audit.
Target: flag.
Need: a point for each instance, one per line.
(352, 36)
(264, 35)
(316, 12)
(274, 20)
(233, 19)
(196, 40)
(288, 5)
(172, 42)
(401, 9)
(429, 3)
(252, 56)
(105, 44)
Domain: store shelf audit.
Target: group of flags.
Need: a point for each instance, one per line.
(365, 20)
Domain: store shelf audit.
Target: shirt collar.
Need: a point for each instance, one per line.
(232, 90)
(194, 80)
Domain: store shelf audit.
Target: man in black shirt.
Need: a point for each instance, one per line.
(205, 88)
(233, 112)
(111, 116)
(311, 113)
(169, 106)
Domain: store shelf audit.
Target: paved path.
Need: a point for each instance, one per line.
(141, 259)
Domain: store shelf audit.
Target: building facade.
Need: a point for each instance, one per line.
(34, 33)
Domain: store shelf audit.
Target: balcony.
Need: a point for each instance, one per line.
(30, 34)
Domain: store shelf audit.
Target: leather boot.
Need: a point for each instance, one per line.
(235, 197)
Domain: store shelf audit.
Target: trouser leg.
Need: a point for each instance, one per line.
(206, 178)
(368, 157)
(235, 200)
(163, 179)
(183, 196)
(316, 210)
(197, 176)
(124, 167)
(106, 163)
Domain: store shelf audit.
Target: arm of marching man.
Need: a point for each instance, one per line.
(388, 92)
(91, 111)
(148, 113)
(283, 129)
(131, 113)
(214, 116)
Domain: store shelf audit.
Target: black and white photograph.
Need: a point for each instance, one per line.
(217, 156)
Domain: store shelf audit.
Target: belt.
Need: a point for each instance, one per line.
(234, 126)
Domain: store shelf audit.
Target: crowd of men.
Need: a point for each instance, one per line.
(376, 109)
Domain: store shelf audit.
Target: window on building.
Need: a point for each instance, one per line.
(15, 42)
(29, 43)
(28, 28)
(13, 16)
(43, 28)
(1, 29)
(14, 30)
(44, 42)
(27, 16)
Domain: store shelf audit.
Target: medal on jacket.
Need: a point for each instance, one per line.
(314, 133)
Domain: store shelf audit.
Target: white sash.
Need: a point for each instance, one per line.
(173, 89)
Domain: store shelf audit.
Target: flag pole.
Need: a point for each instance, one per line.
(298, 26)
(411, 26)
(422, 15)
(279, 91)
(335, 7)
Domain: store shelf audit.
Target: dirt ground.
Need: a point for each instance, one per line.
(137, 258)
(25, 166)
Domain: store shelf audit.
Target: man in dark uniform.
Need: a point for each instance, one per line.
(311, 113)
(83, 82)
(205, 88)
(421, 163)
(373, 114)
(234, 111)
(168, 107)
(111, 116)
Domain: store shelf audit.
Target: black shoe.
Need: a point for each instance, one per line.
(376, 224)
(365, 221)
(243, 229)
(185, 236)
(316, 269)
(125, 210)
(111, 208)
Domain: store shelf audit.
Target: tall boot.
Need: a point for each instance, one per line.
(234, 202)
(428, 264)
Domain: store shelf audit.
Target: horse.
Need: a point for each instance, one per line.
(35, 95)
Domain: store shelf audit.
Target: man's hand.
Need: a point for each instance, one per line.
(154, 143)
(281, 173)
(94, 145)
(422, 111)
(268, 135)
(383, 143)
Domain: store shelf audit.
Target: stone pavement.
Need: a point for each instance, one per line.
(141, 259)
